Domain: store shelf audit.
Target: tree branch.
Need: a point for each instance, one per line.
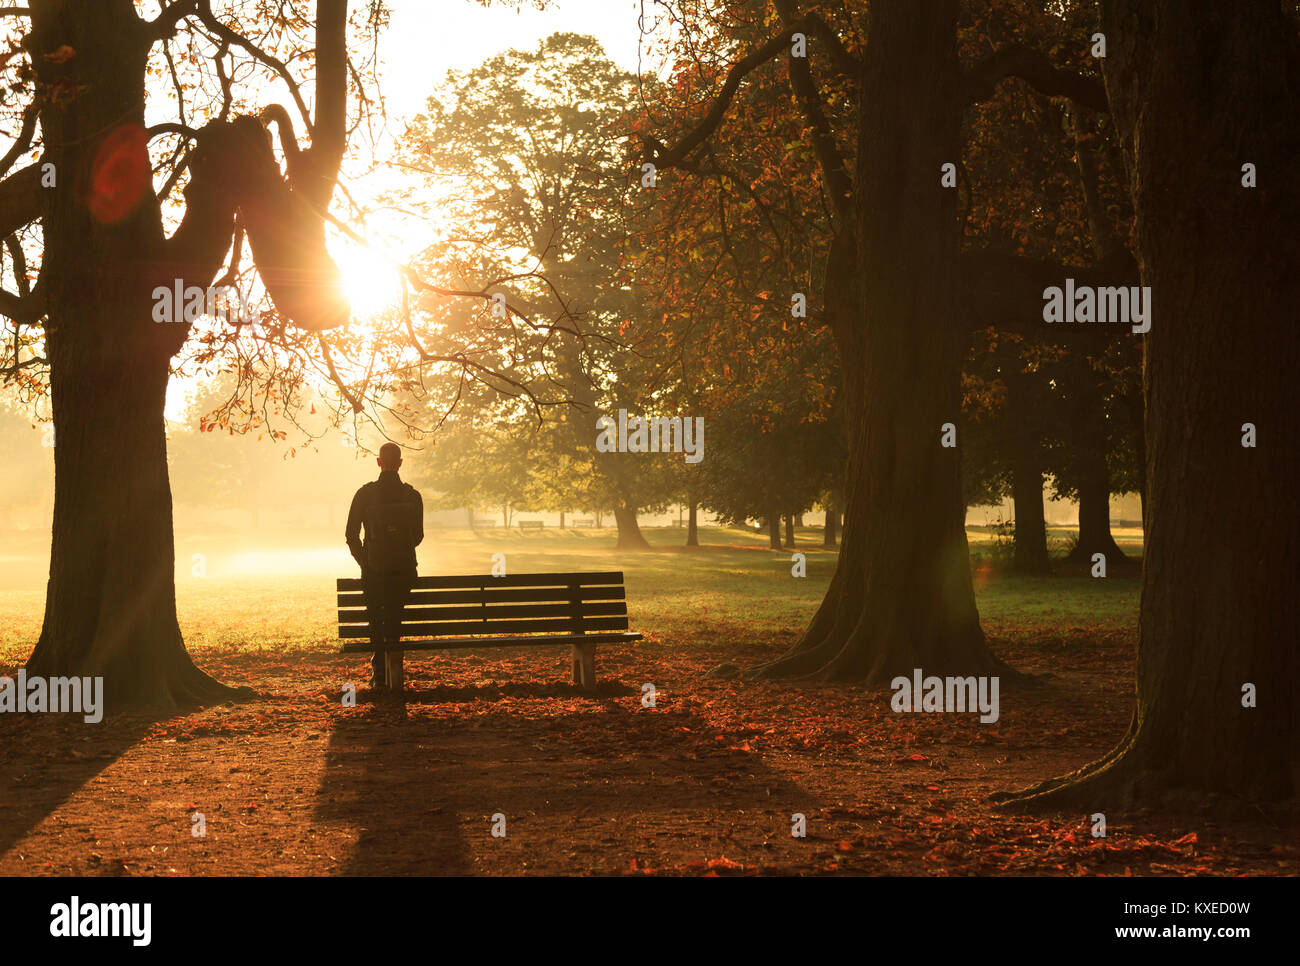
(847, 64)
(164, 25)
(677, 157)
(838, 183)
(329, 138)
(1031, 66)
(20, 199)
(239, 40)
(24, 139)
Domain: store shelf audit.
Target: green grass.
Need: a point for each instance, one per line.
(733, 587)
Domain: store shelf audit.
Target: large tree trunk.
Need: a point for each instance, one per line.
(110, 607)
(789, 531)
(1197, 91)
(901, 597)
(774, 531)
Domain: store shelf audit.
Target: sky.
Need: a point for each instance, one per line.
(427, 38)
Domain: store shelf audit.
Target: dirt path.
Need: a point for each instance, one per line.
(706, 782)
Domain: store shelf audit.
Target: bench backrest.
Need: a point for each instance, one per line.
(481, 604)
(532, 524)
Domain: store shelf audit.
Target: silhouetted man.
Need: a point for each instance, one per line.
(393, 516)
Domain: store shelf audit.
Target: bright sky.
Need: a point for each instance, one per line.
(429, 37)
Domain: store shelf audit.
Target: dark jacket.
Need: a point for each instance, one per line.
(379, 506)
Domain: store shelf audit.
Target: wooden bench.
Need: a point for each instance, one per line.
(581, 610)
(584, 523)
(531, 524)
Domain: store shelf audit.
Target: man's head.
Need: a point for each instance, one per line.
(390, 456)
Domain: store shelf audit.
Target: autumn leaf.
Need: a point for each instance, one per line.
(61, 54)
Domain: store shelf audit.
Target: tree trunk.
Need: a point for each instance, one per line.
(692, 527)
(110, 606)
(830, 528)
(629, 531)
(1197, 91)
(1031, 525)
(1026, 482)
(901, 597)
(774, 531)
(1094, 512)
(789, 531)
(561, 519)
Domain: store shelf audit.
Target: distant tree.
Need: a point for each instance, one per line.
(532, 142)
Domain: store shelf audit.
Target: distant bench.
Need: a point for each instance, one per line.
(579, 609)
(531, 524)
(584, 523)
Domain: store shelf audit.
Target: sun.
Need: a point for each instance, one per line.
(370, 281)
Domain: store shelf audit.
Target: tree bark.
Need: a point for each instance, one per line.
(902, 595)
(1196, 92)
(789, 531)
(774, 531)
(692, 526)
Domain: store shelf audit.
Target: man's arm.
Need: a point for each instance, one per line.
(353, 532)
(419, 517)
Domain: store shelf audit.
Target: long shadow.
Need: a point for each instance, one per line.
(411, 778)
(45, 759)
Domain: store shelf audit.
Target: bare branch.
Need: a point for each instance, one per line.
(239, 40)
(24, 139)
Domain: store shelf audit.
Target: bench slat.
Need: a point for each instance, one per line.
(531, 595)
(452, 643)
(537, 626)
(415, 615)
(509, 580)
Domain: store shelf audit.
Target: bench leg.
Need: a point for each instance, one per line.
(584, 665)
(393, 666)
